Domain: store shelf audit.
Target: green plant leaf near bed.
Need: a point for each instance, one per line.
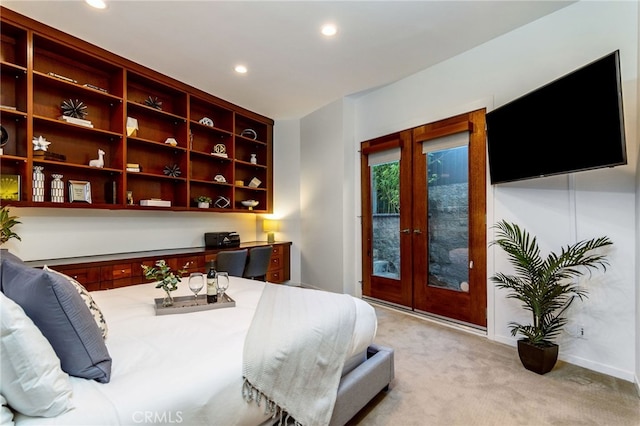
(546, 287)
(7, 222)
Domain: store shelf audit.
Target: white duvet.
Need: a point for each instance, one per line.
(177, 369)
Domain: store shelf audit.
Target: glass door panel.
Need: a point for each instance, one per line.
(448, 218)
(385, 197)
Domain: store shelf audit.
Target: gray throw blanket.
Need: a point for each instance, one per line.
(295, 351)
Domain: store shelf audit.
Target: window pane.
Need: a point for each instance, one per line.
(385, 196)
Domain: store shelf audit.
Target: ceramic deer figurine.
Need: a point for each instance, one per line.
(99, 162)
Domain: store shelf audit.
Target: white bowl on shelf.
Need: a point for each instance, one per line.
(249, 203)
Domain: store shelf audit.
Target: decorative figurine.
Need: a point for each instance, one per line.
(75, 109)
(38, 184)
(219, 178)
(171, 141)
(57, 189)
(253, 159)
(249, 133)
(40, 144)
(172, 170)
(220, 150)
(153, 102)
(132, 126)
(99, 162)
(206, 121)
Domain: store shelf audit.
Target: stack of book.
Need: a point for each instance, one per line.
(134, 167)
(78, 121)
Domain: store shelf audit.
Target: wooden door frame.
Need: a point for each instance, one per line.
(404, 296)
(443, 301)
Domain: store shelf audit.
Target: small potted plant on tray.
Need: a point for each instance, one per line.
(167, 279)
(546, 288)
(203, 201)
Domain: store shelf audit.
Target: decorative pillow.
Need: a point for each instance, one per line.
(32, 381)
(88, 300)
(6, 254)
(56, 308)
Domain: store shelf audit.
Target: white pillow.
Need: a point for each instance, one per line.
(6, 415)
(32, 381)
(88, 300)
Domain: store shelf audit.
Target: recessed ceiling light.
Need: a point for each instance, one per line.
(241, 69)
(329, 30)
(98, 4)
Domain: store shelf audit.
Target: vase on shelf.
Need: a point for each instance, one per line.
(57, 189)
(38, 184)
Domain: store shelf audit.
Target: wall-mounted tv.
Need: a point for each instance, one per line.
(571, 124)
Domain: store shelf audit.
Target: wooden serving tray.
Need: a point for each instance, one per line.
(185, 304)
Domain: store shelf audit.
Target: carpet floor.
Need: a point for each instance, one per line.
(450, 377)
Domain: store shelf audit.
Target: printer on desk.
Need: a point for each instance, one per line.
(221, 239)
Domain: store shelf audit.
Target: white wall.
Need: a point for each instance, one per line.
(561, 209)
(286, 184)
(326, 197)
(574, 207)
(60, 233)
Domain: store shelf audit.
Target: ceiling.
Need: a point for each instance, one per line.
(293, 69)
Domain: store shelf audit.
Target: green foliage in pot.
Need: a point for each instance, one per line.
(546, 287)
(203, 199)
(7, 222)
(161, 272)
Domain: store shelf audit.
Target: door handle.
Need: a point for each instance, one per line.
(406, 231)
(417, 231)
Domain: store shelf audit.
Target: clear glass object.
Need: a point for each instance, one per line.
(196, 283)
(223, 284)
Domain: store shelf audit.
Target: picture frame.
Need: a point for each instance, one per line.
(79, 191)
(10, 187)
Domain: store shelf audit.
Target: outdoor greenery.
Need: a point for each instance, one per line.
(7, 222)
(546, 287)
(386, 178)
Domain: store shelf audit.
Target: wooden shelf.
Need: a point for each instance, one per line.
(41, 67)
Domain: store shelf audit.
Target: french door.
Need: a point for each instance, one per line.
(423, 222)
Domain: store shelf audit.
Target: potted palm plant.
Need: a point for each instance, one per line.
(7, 222)
(545, 287)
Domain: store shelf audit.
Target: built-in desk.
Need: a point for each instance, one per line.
(107, 271)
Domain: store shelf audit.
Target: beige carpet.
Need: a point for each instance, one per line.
(449, 377)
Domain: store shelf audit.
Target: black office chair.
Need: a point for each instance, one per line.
(258, 263)
(231, 261)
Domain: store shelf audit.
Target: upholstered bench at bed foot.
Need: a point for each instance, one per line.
(364, 382)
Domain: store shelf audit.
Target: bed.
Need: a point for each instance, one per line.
(188, 368)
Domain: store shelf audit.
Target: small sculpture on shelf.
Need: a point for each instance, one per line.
(220, 150)
(253, 159)
(172, 170)
(171, 141)
(153, 102)
(99, 162)
(57, 189)
(219, 179)
(75, 109)
(249, 133)
(222, 202)
(38, 184)
(40, 144)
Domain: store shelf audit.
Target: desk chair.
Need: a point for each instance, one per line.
(258, 263)
(231, 261)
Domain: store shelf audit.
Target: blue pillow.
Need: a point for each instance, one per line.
(56, 308)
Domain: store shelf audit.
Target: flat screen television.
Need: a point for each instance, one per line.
(572, 124)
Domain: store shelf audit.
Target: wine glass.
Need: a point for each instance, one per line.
(196, 282)
(223, 284)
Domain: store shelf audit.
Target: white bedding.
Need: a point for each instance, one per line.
(177, 369)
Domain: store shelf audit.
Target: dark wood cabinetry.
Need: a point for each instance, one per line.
(119, 270)
(187, 143)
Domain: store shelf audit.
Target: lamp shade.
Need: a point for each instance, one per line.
(270, 226)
